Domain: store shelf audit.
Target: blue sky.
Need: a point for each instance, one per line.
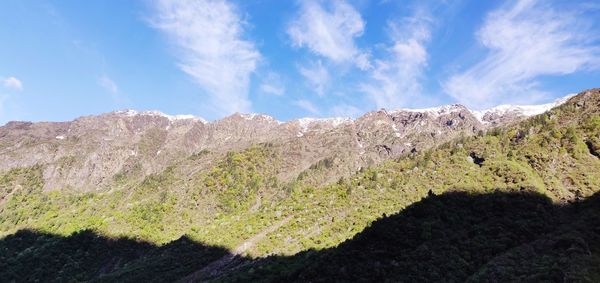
(63, 59)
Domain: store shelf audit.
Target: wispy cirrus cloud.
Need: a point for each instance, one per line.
(526, 39)
(307, 106)
(395, 77)
(12, 83)
(272, 89)
(107, 83)
(328, 29)
(317, 76)
(272, 84)
(209, 36)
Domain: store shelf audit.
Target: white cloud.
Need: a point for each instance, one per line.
(525, 40)
(329, 31)
(395, 79)
(209, 35)
(307, 106)
(108, 84)
(12, 83)
(272, 84)
(317, 76)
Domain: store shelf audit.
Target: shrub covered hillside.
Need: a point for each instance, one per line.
(456, 237)
(241, 206)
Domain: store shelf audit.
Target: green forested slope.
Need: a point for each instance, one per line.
(456, 236)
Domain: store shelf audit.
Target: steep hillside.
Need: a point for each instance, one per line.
(249, 200)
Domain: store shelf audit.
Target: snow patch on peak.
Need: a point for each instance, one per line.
(172, 118)
(128, 112)
(336, 121)
(249, 116)
(305, 123)
(252, 116)
(523, 110)
(184, 117)
(433, 111)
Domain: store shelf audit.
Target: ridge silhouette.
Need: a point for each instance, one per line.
(456, 236)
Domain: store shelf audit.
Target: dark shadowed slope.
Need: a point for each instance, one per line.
(36, 256)
(454, 237)
(494, 237)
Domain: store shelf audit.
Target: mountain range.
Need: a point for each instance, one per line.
(505, 194)
(86, 154)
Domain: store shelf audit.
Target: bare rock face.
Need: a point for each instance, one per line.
(93, 152)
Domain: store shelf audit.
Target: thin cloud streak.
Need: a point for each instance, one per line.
(272, 84)
(12, 83)
(272, 89)
(307, 106)
(108, 84)
(118, 98)
(317, 76)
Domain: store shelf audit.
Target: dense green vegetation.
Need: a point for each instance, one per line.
(455, 236)
(550, 159)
